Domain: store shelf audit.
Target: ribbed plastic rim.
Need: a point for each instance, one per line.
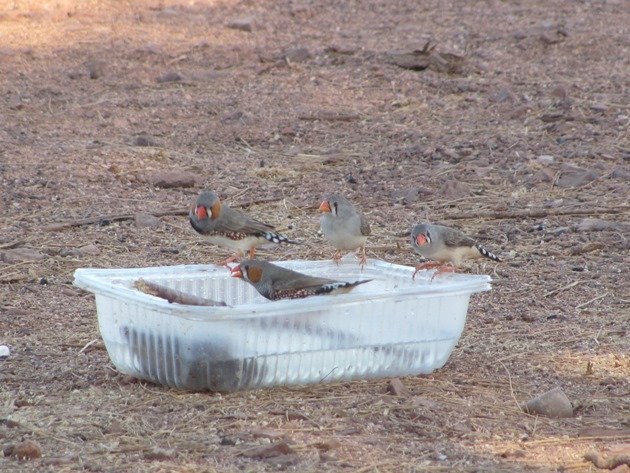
(99, 281)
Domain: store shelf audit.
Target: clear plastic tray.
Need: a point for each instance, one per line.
(391, 326)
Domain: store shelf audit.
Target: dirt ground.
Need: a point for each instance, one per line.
(513, 128)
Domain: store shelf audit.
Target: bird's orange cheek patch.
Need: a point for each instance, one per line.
(254, 274)
(215, 210)
(421, 240)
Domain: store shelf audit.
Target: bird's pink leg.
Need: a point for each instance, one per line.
(235, 257)
(362, 257)
(337, 257)
(427, 265)
(445, 268)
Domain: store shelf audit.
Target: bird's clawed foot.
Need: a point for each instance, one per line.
(362, 257)
(446, 268)
(232, 259)
(337, 257)
(441, 268)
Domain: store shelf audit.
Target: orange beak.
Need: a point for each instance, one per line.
(201, 212)
(324, 207)
(421, 240)
(236, 272)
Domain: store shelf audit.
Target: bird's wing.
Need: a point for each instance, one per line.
(292, 280)
(365, 226)
(235, 221)
(456, 238)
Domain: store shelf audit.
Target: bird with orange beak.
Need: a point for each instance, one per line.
(275, 282)
(230, 228)
(445, 247)
(344, 227)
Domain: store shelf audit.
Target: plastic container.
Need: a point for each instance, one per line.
(391, 326)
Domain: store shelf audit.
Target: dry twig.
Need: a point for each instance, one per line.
(172, 295)
(121, 217)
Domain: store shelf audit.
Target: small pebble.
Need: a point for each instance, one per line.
(27, 450)
(169, 77)
(397, 388)
(554, 404)
(243, 24)
(4, 352)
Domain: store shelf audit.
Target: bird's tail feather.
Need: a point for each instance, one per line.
(488, 254)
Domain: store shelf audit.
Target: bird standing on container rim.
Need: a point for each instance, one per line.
(446, 247)
(230, 228)
(344, 227)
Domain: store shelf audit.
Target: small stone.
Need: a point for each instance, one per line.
(341, 49)
(397, 388)
(268, 451)
(89, 250)
(520, 453)
(232, 116)
(143, 139)
(297, 55)
(504, 94)
(409, 195)
(326, 458)
(545, 159)
(542, 175)
(586, 248)
(281, 462)
(328, 444)
(243, 24)
(553, 404)
(169, 77)
(599, 107)
(145, 220)
(10, 424)
(228, 441)
(27, 450)
(171, 179)
(115, 427)
(21, 255)
(621, 173)
(599, 225)
(559, 92)
(455, 189)
(158, 453)
(95, 68)
(267, 433)
(4, 352)
(518, 112)
(575, 177)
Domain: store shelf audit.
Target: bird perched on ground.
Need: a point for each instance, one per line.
(446, 247)
(344, 226)
(231, 228)
(275, 282)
